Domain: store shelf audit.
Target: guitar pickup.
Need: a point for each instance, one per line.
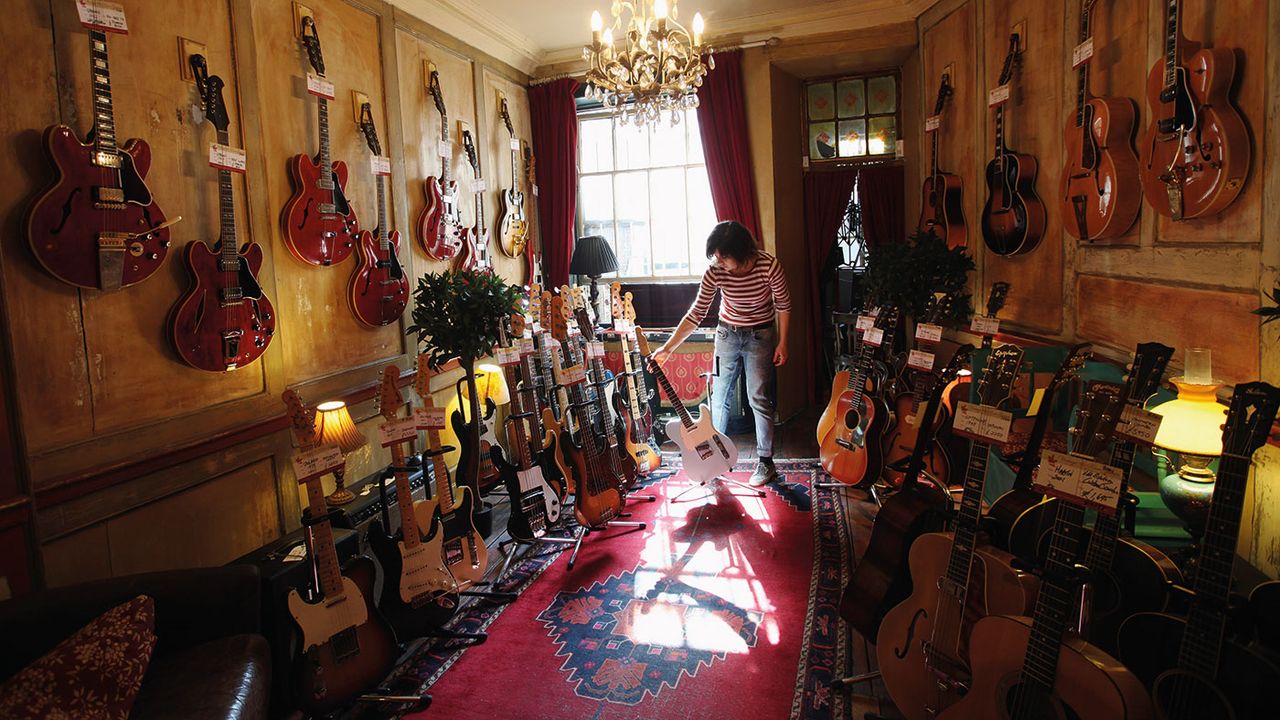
(232, 296)
(325, 184)
(327, 209)
(106, 159)
(108, 196)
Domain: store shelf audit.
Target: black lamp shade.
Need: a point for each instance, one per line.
(593, 257)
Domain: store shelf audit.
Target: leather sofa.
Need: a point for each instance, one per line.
(210, 660)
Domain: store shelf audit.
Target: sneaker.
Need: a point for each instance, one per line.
(764, 474)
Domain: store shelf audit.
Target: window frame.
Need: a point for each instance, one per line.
(835, 80)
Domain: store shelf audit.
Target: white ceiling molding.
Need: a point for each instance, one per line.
(467, 21)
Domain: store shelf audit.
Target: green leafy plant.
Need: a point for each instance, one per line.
(907, 274)
(1270, 314)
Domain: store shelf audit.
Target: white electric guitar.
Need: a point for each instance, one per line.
(705, 453)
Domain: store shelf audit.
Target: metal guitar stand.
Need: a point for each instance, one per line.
(718, 480)
(581, 533)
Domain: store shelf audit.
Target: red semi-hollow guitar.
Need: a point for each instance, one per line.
(379, 289)
(440, 224)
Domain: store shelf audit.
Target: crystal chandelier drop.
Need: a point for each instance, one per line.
(655, 67)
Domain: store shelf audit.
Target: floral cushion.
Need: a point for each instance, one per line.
(93, 675)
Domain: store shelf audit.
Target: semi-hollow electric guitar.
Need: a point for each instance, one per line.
(853, 450)
(1014, 219)
(475, 239)
(942, 212)
(513, 230)
(440, 224)
(379, 288)
(98, 226)
(224, 321)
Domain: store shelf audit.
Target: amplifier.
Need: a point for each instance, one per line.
(368, 503)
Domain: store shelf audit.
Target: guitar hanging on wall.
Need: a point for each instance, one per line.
(440, 224)
(475, 247)
(319, 223)
(379, 289)
(533, 249)
(942, 211)
(513, 230)
(1013, 220)
(224, 321)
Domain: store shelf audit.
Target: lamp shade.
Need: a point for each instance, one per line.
(1192, 423)
(491, 384)
(335, 427)
(593, 257)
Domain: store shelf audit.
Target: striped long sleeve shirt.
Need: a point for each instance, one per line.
(749, 299)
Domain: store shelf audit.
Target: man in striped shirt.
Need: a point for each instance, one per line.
(753, 290)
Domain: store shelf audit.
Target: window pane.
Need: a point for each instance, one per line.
(670, 222)
(695, 138)
(632, 199)
(851, 97)
(822, 140)
(821, 101)
(666, 144)
(882, 95)
(595, 145)
(853, 138)
(882, 136)
(633, 146)
(702, 218)
(595, 205)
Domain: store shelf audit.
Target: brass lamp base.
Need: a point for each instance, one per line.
(340, 495)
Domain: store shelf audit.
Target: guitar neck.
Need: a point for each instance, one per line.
(104, 123)
(404, 499)
(1106, 528)
(1173, 16)
(1082, 73)
(444, 488)
(966, 527)
(528, 389)
(1027, 468)
(511, 373)
(681, 411)
(1000, 146)
(1055, 604)
(326, 159)
(383, 233)
(325, 553)
(227, 215)
(445, 170)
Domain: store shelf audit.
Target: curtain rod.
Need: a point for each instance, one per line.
(767, 42)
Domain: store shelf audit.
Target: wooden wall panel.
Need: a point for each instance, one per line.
(1122, 313)
(76, 558)
(496, 149)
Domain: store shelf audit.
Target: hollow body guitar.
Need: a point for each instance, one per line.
(942, 210)
(853, 450)
(513, 228)
(440, 224)
(379, 288)
(1014, 218)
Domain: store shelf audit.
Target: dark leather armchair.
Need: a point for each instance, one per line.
(209, 662)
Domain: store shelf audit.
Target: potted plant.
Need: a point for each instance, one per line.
(457, 314)
(907, 274)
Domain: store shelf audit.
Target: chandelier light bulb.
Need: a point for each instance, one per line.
(699, 26)
(660, 9)
(597, 24)
(608, 37)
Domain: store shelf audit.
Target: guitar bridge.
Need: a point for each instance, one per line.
(231, 343)
(1174, 189)
(346, 644)
(111, 249)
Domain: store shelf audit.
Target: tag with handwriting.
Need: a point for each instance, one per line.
(1077, 479)
(932, 123)
(573, 374)
(1081, 54)
(225, 157)
(507, 355)
(920, 360)
(445, 148)
(319, 87)
(429, 418)
(998, 95)
(515, 143)
(927, 332)
(380, 165)
(865, 322)
(313, 463)
(479, 185)
(874, 337)
(984, 325)
(397, 431)
(595, 350)
(982, 422)
(525, 345)
(1138, 425)
(623, 325)
(102, 15)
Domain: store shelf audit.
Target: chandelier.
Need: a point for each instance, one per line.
(656, 66)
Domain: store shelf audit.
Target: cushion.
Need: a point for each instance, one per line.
(93, 675)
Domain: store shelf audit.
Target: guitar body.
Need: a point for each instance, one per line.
(882, 577)
(901, 441)
(1014, 219)
(462, 546)
(1138, 581)
(831, 413)
(1100, 192)
(852, 452)
(1212, 159)
(439, 233)
(461, 428)
(1089, 683)
(942, 211)
(418, 592)
(210, 337)
(531, 510)
(513, 230)
(645, 457)
(379, 288)
(554, 467)
(705, 452)
(592, 509)
(472, 241)
(64, 225)
(994, 588)
(315, 233)
(347, 648)
(1018, 521)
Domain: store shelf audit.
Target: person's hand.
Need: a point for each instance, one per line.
(780, 356)
(660, 357)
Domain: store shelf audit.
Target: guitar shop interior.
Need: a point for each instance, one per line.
(810, 360)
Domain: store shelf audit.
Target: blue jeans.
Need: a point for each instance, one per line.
(750, 351)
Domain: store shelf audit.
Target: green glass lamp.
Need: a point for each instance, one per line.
(1191, 427)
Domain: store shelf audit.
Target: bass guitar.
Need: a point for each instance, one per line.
(613, 429)
(1190, 667)
(643, 412)
(1028, 668)
(1196, 151)
(476, 459)
(224, 321)
(475, 240)
(379, 288)
(638, 418)
(98, 226)
(440, 224)
(319, 224)
(942, 210)
(1014, 219)
(544, 431)
(1100, 192)
(419, 593)
(513, 230)
(853, 450)
(901, 441)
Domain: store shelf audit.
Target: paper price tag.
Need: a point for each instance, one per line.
(573, 374)
(319, 87)
(102, 15)
(623, 325)
(429, 418)
(1081, 54)
(1037, 397)
(515, 144)
(1080, 480)
(397, 431)
(507, 355)
(984, 325)
(874, 337)
(479, 185)
(445, 148)
(535, 191)
(595, 350)
(313, 463)
(225, 157)
(1138, 425)
(998, 95)
(865, 322)
(932, 123)
(927, 332)
(380, 165)
(920, 360)
(525, 346)
(982, 422)
(448, 199)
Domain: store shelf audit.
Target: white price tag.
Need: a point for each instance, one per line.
(429, 418)
(380, 165)
(525, 345)
(998, 95)
(448, 199)
(319, 87)
(982, 422)
(984, 325)
(1081, 54)
(595, 350)
(1138, 425)
(313, 463)
(874, 337)
(398, 431)
(920, 360)
(573, 374)
(507, 355)
(932, 123)
(515, 143)
(1078, 479)
(927, 332)
(623, 325)
(865, 322)
(445, 148)
(535, 191)
(225, 157)
(479, 185)
(102, 15)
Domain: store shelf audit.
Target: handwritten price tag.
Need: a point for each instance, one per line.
(1081, 54)
(998, 95)
(479, 185)
(984, 325)
(595, 350)
(865, 322)
(1138, 425)
(507, 355)
(1080, 480)
(982, 422)
(445, 148)
(313, 463)
(380, 165)
(573, 374)
(920, 360)
(927, 332)
(397, 431)
(225, 157)
(102, 15)
(623, 325)
(874, 337)
(515, 143)
(429, 418)
(525, 345)
(932, 123)
(319, 87)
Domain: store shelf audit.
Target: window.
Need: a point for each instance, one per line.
(646, 190)
(852, 118)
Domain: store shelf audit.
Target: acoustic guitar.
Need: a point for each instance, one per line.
(942, 210)
(1014, 219)
(513, 229)
(440, 223)
(1100, 193)
(859, 375)
(853, 450)
(1195, 154)
(379, 289)
(1191, 668)
(475, 239)
(901, 441)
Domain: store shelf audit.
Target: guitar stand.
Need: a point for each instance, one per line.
(522, 542)
(873, 494)
(845, 682)
(416, 703)
(581, 533)
(713, 482)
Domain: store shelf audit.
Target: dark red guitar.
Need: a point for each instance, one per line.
(440, 224)
(475, 240)
(224, 321)
(319, 223)
(379, 289)
(98, 226)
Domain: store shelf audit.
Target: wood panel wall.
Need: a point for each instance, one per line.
(97, 386)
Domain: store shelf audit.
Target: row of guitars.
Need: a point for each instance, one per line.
(1026, 612)
(1192, 160)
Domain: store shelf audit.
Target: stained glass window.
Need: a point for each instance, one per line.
(852, 118)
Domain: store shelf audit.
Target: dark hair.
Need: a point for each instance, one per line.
(731, 239)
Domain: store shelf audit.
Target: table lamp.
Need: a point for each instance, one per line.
(335, 427)
(491, 384)
(1191, 426)
(593, 257)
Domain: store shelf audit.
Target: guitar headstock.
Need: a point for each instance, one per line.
(997, 378)
(959, 359)
(545, 310)
(518, 325)
(311, 41)
(944, 90)
(995, 301)
(422, 383)
(389, 397)
(939, 307)
(1096, 422)
(559, 320)
(642, 343)
(887, 320)
(469, 147)
(1147, 371)
(1010, 59)
(215, 108)
(506, 118)
(615, 300)
(302, 418)
(437, 95)
(1249, 418)
(1077, 356)
(579, 300)
(369, 129)
(628, 310)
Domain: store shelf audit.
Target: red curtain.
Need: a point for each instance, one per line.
(826, 196)
(555, 144)
(881, 194)
(722, 121)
